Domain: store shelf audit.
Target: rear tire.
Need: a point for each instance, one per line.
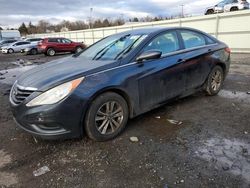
(33, 51)
(214, 81)
(51, 52)
(106, 117)
(234, 9)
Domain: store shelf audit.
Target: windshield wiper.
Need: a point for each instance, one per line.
(105, 49)
(126, 50)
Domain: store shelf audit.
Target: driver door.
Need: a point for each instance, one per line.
(161, 79)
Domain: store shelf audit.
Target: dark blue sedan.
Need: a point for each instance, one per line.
(117, 78)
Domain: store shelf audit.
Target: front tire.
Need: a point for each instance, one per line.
(210, 11)
(51, 52)
(78, 49)
(106, 117)
(10, 51)
(214, 81)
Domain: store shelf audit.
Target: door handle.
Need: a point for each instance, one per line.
(209, 50)
(181, 61)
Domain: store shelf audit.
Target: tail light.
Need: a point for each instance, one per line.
(228, 50)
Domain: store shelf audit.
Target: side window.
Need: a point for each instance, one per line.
(67, 41)
(52, 40)
(166, 43)
(192, 39)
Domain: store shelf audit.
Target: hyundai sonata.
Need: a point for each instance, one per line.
(121, 76)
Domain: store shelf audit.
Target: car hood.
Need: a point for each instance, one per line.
(50, 74)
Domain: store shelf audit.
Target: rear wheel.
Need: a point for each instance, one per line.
(33, 51)
(106, 117)
(215, 81)
(50, 52)
(234, 9)
(10, 51)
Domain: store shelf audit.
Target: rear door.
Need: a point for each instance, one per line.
(68, 45)
(163, 78)
(196, 57)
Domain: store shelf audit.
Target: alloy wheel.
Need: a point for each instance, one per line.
(109, 117)
(216, 80)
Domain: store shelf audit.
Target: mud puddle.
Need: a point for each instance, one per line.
(237, 95)
(9, 76)
(6, 178)
(230, 155)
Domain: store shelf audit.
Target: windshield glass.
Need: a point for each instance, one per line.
(113, 47)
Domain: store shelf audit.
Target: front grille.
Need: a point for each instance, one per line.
(18, 95)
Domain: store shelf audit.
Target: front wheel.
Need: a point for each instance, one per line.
(78, 49)
(215, 81)
(51, 52)
(107, 117)
(10, 51)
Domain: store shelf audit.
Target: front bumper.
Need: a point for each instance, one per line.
(4, 51)
(59, 121)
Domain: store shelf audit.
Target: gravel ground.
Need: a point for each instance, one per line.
(208, 146)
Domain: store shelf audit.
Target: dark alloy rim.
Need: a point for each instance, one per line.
(216, 80)
(109, 117)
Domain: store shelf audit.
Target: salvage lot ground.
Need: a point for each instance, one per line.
(211, 148)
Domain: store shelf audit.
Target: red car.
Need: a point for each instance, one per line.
(50, 46)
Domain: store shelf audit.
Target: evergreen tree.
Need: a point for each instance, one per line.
(23, 29)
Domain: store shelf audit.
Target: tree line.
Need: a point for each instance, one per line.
(44, 26)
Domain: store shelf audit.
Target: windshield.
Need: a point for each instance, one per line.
(113, 47)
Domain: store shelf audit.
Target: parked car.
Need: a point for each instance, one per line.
(34, 40)
(30, 50)
(227, 6)
(6, 42)
(15, 47)
(117, 78)
(50, 46)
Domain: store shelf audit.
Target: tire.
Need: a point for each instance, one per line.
(209, 12)
(97, 121)
(51, 52)
(33, 51)
(214, 81)
(78, 49)
(10, 51)
(233, 9)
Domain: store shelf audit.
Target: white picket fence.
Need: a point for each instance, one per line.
(232, 28)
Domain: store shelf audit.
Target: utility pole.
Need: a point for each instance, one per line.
(90, 17)
(182, 11)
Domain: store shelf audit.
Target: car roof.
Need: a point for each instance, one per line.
(156, 30)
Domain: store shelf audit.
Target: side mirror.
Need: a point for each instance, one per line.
(148, 55)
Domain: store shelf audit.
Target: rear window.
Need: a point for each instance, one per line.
(192, 39)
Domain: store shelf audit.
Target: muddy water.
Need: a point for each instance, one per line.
(9, 76)
(237, 95)
(6, 178)
(230, 155)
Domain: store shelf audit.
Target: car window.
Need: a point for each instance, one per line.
(52, 40)
(66, 41)
(192, 39)
(166, 43)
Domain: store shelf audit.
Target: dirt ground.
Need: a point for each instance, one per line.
(210, 148)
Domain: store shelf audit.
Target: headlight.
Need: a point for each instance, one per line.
(55, 94)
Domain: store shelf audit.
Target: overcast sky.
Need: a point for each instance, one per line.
(14, 12)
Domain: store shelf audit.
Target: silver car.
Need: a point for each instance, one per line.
(15, 47)
(227, 6)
